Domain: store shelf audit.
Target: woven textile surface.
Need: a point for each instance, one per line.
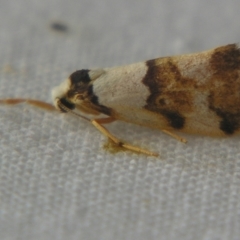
(56, 179)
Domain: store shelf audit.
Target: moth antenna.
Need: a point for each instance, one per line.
(72, 112)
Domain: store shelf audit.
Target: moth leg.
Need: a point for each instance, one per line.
(97, 123)
(105, 120)
(35, 103)
(175, 136)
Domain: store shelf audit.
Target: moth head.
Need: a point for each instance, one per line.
(76, 91)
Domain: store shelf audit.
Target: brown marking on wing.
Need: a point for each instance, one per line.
(224, 97)
(95, 104)
(169, 91)
(79, 82)
(81, 89)
(226, 58)
(225, 102)
(89, 102)
(176, 93)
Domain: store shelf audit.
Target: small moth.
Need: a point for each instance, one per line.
(195, 93)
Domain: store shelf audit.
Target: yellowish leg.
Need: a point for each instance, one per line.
(105, 120)
(175, 136)
(98, 124)
(36, 103)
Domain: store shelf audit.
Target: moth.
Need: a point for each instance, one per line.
(195, 93)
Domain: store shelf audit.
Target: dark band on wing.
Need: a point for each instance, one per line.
(156, 79)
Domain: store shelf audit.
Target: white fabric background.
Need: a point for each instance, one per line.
(56, 181)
